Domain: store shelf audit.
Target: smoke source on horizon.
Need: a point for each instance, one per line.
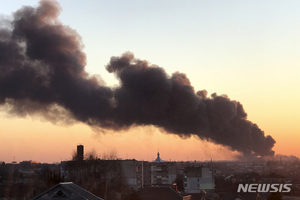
(42, 71)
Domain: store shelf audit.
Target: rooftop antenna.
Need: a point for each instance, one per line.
(14, 162)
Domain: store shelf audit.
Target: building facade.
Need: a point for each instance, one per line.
(197, 179)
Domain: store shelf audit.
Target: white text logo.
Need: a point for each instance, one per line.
(263, 187)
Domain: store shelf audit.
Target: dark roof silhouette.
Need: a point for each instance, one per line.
(159, 193)
(66, 190)
(197, 196)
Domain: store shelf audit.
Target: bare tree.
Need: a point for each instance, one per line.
(111, 155)
(74, 155)
(91, 155)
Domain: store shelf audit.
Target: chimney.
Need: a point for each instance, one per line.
(79, 152)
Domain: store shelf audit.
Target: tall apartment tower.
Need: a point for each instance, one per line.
(80, 152)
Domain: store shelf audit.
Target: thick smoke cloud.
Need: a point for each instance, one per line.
(42, 71)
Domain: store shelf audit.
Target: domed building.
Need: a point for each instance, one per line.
(158, 159)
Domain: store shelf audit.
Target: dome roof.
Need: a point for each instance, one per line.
(158, 159)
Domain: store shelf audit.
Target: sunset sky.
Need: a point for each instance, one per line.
(248, 50)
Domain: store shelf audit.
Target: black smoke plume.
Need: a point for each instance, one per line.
(42, 71)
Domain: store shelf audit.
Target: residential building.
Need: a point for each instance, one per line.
(162, 173)
(197, 179)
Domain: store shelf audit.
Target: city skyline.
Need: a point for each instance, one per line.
(245, 50)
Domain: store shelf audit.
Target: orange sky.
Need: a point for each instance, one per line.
(248, 50)
(32, 139)
(45, 142)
